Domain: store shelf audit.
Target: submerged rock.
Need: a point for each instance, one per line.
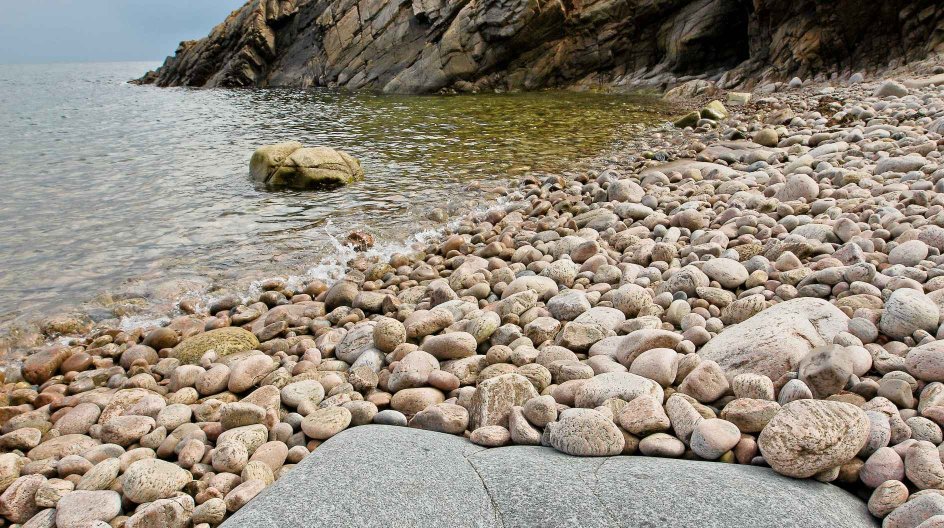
(297, 167)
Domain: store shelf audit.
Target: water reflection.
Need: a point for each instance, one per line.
(105, 181)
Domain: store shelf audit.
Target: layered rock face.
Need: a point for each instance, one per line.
(418, 46)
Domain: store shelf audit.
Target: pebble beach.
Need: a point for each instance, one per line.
(760, 283)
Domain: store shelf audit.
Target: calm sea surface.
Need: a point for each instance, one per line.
(117, 197)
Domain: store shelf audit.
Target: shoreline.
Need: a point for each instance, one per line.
(284, 233)
(696, 293)
(151, 297)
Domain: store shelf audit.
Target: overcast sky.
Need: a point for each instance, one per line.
(103, 30)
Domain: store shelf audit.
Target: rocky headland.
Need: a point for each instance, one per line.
(418, 46)
(762, 285)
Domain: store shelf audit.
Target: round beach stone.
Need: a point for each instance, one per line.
(294, 394)
(10, 465)
(454, 345)
(78, 508)
(243, 493)
(908, 253)
(126, 430)
(622, 385)
(826, 370)
(100, 476)
(322, 424)
(151, 479)
(78, 419)
(390, 417)
(568, 305)
(490, 436)
(174, 415)
(915, 511)
(443, 418)
(250, 436)
(643, 415)
(714, 437)
(40, 366)
(661, 445)
(584, 432)
(225, 341)
(888, 496)
(249, 371)
(412, 401)
(61, 446)
(798, 186)
(936, 521)
(230, 457)
(412, 371)
(754, 386)
(355, 342)
(540, 410)
(18, 501)
(212, 512)
(272, 454)
(884, 464)
(706, 382)
(923, 466)
(906, 311)
(493, 399)
(730, 273)
(750, 415)
(810, 436)
(22, 439)
(658, 364)
(163, 512)
(926, 362)
(767, 137)
(240, 414)
(389, 333)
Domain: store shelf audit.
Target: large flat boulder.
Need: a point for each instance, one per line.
(774, 341)
(377, 476)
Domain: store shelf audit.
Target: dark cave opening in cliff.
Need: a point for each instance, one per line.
(719, 41)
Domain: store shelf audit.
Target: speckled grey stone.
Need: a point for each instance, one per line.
(394, 476)
(391, 476)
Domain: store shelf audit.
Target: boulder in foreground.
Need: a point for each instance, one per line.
(432, 479)
(294, 166)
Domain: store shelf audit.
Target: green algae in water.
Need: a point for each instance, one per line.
(494, 134)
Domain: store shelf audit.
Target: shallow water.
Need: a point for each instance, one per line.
(108, 186)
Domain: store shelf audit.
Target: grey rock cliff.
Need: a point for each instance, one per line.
(416, 46)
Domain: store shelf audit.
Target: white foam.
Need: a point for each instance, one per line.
(329, 270)
(133, 322)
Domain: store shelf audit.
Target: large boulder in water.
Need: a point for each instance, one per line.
(297, 167)
(774, 341)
